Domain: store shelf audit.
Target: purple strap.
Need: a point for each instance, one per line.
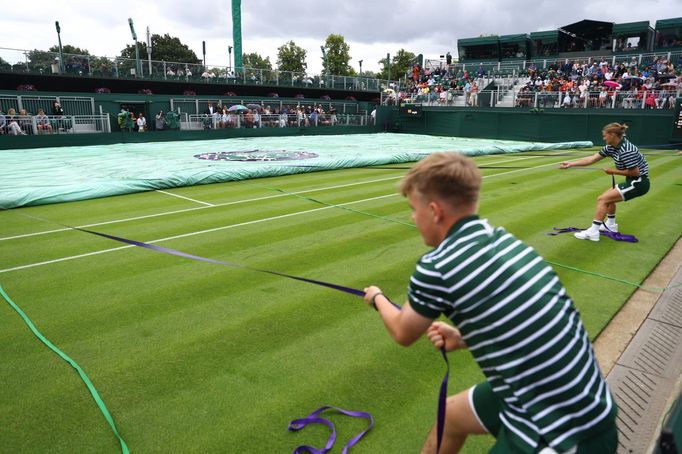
(608, 233)
(314, 418)
(442, 399)
(294, 424)
(177, 253)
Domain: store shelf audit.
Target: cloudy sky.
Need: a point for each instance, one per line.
(371, 28)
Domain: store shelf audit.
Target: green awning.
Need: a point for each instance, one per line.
(518, 38)
(669, 23)
(631, 28)
(477, 41)
(547, 36)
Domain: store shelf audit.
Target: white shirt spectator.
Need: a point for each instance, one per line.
(567, 100)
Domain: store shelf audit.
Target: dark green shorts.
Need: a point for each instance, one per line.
(633, 187)
(487, 407)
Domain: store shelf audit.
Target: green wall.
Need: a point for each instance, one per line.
(557, 125)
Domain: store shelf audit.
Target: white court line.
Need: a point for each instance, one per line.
(257, 221)
(184, 235)
(256, 199)
(183, 197)
(185, 210)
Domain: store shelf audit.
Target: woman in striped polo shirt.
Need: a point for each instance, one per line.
(543, 390)
(630, 163)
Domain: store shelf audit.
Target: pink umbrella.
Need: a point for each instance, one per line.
(612, 83)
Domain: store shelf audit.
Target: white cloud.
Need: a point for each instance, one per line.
(372, 29)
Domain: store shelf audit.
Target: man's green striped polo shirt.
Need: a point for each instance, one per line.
(523, 331)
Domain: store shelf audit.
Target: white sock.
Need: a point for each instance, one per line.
(594, 228)
(610, 219)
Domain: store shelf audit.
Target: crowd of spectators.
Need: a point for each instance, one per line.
(25, 123)
(259, 116)
(439, 86)
(600, 84)
(591, 83)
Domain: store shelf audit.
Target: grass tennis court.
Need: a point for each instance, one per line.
(194, 357)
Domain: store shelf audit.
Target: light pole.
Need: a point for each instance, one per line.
(149, 50)
(360, 62)
(203, 47)
(388, 62)
(229, 58)
(61, 52)
(137, 48)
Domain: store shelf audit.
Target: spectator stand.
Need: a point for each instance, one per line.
(268, 112)
(79, 114)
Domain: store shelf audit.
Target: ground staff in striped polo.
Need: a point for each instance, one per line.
(543, 390)
(630, 163)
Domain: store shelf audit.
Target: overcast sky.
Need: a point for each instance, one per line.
(371, 28)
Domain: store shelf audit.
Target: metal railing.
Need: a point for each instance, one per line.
(73, 105)
(642, 59)
(284, 120)
(521, 98)
(199, 106)
(43, 62)
(651, 99)
(53, 124)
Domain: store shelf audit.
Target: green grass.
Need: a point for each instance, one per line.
(194, 357)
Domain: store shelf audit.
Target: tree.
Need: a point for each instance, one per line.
(290, 57)
(164, 48)
(337, 56)
(74, 61)
(401, 63)
(255, 61)
(256, 68)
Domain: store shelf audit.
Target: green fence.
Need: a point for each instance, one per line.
(646, 126)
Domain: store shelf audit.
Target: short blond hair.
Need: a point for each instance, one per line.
(450, 177)
(615, 128)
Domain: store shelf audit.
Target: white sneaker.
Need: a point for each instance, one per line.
(587, 235)
(610, 228)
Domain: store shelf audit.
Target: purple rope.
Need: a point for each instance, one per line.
(164, 250)
(312, 418)
(608, 233)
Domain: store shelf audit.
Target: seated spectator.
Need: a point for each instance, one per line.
(224, 118)
(58, 114)
(13, 127)
(25, 121)
(650, 100)
(629, 100)
(603, 99)
(567, 100)
(43, 123)
(3, 122)
(248, 119)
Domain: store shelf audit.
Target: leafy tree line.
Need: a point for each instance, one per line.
(290, 57)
